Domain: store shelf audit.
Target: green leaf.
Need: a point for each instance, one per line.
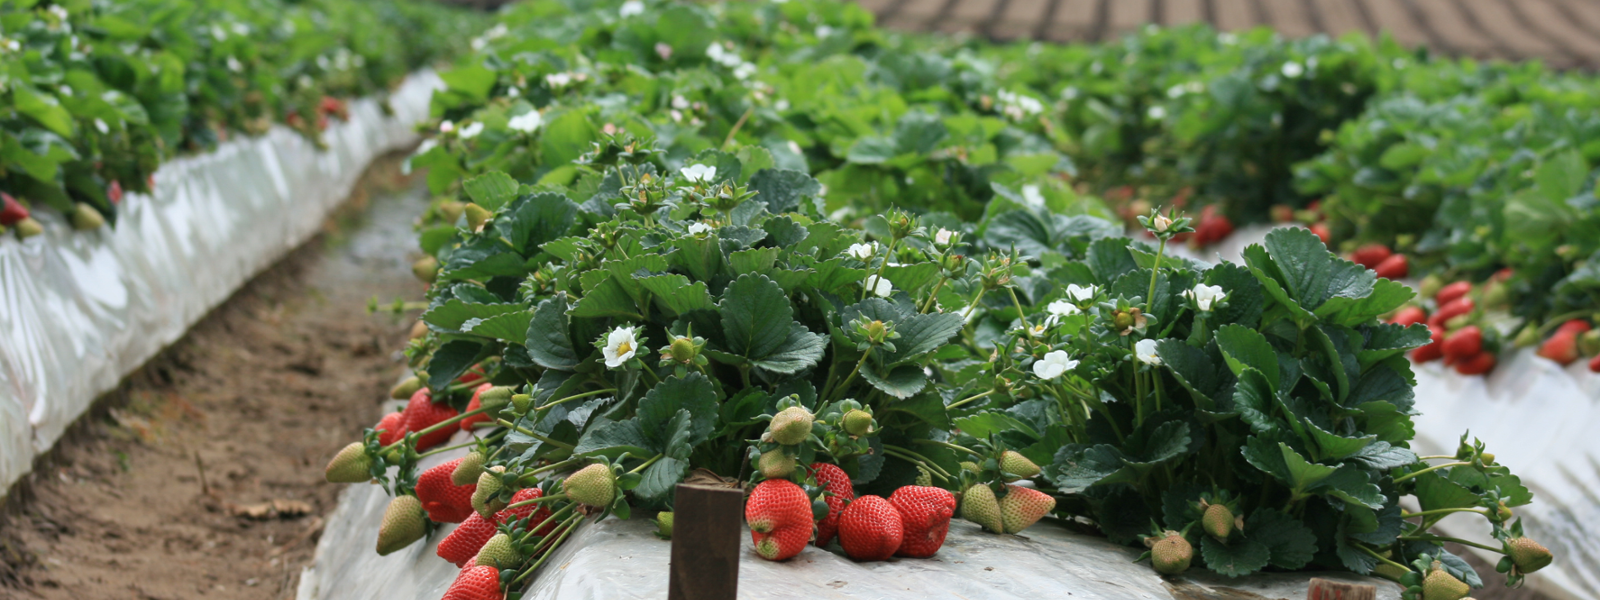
(676, 295)
(912, 278)
(1388, 422)
(693, 393)
(1241, 557)
(454, 313)
(1352, 485)
(612, 438)
(43, 108)
(1385, 340)
(1381, 456)
(1386, 296)
(1193, 369)
(603, 297)
(782, 189)
(755, 316)
(755, 260)
(491, 190)
(547, 341)
(1337, 447)
(800, 351)
(451, 360)
(509, 327)
(1254, 401)
(661, 478)
(1109, 259)
(1434, 492)
(701, 257)
(901, 382)
(1291, 544)
(566, 137)
(1244, 347)
(919, 132)
(535, 219)
(983, 425)
(474, 81)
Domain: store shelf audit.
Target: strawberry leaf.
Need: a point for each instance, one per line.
(1241, 557)
(1291, 544)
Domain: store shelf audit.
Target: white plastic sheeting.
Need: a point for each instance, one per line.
(1539, 419)
(622, 560)
(80, 310)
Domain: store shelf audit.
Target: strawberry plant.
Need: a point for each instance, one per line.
(98, 94)
(792, 252)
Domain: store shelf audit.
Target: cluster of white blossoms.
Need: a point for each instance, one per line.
(1018, 106)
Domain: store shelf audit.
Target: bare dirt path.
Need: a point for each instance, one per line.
(201, 477)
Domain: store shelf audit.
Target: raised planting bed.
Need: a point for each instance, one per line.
(769, 246)
(81, 310)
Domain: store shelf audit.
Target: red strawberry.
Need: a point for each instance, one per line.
(1213, 227)
(1449, 293)
(1394, 267)
(1409, 315)
(475, 404)
(1476, 364)
(479, 582)
(445, 501)
(840, 493)
(1433, 350)
(473, 375)
(463, 543)
(779, 515)
(870, 529)
(1322, 232)
(1371, 255)
(1561, 347)
(391, 428)
(11, 211)
(925, 518)
(1451, 310)
(1022, 507)
(1594, 364)
(1463, 343)
(422, 413)
(1574, 326)
(540, 523)
(114, 192)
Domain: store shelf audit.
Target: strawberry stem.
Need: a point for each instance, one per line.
(964, 401)
(1439, 538)
(538, 500)
(566, 527)
(1432, 468)
(951, 446)
(1443, 511)
(852, 376)
(576, 397)
(647, 463)
(437, 426)
(551, 467)
(1381, 559)
(558, 444)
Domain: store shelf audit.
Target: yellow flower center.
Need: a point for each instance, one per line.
(624, 348)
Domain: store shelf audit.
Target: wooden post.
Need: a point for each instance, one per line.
(1323, 589)
(705, 543)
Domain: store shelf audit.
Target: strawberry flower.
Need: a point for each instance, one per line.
(879, 286)
(699, 173)
(863, 251)
(1204, 296)
(1145, 350)
(1054, 364)
(527, 122)
(620, 346)
(1081, 295)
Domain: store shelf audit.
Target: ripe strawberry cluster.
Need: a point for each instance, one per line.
(1463, 342)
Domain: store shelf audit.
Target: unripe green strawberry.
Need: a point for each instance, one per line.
(404, 389)
(594, 485)
(499, 553)
(350, 465)
(1440, 585)
(664, 525)
(521, 403)
(404, 522)
(28, 228)
(1171, 554)
(969, 466)
(85, 217)
(979, 505)
(1528, 555)
(450, 210)
(857, 422)
(486, 497)
(1527, 337)
(924, 476)
(468, 469)
(426, 269)
(791, 426)
(1218, 521)
(774, 464)
(1431, 285)
(682, 350)
(1022, 507)
(494, 399)
(1390, 571)
(476, 215)
(1589, 342)
(1014, 463)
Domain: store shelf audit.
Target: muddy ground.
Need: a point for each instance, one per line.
(201, 476)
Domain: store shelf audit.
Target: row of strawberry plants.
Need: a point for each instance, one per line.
(643, 267)
(98, 94)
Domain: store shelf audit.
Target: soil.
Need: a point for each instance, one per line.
(201, 476)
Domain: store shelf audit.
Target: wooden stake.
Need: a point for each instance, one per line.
(705, 543)
(1323, 589)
